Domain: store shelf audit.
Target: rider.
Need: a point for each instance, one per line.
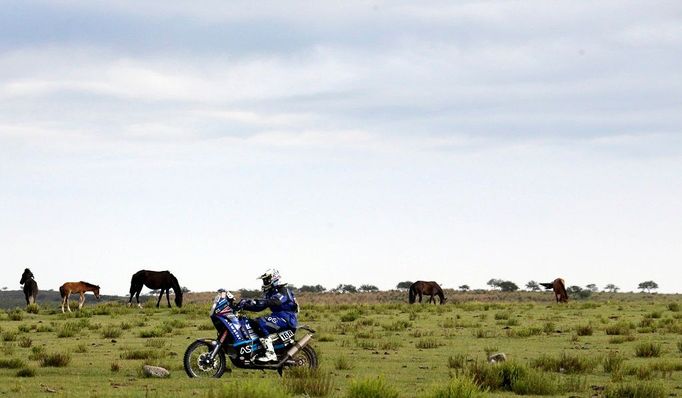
(279, 299)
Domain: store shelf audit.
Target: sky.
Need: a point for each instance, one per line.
(361, 142)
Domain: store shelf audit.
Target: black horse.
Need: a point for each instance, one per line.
(30, 286)
(427, 288)
(163, 280)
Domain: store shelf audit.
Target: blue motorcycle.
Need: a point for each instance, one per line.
(237, 340)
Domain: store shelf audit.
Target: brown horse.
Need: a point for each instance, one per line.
(81, 287)
(428, 288)
(559, 288)
(162, 280)
(30, 286)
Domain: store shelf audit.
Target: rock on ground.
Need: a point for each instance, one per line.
(155, 371)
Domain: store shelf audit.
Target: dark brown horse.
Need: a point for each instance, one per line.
(162, 280)
(427, 288)
(30, 286)
(559, 288)
(81, 287)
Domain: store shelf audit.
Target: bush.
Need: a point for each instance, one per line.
(566, 363)
(56, 360)
(350, 316)
(612, 362)
(457, 361)
(32, 309)
(140, 354)
(115, 367)
(674, 307)
(37, 353)
(25, 342)
(10, 335)
(647, 350)
(111, 332)
(26, 372)
(512, 376)
(428, 343)
(584, 330)
(618, 329)
(343, 363)
(155, 343)
(11, 363)
(459, 387)
(636, 390)
(371, 388)
(15, 315)
(308, 382)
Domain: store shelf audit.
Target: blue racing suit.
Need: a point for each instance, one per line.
(281, 301)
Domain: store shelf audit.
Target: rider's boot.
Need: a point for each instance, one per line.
(269, 354)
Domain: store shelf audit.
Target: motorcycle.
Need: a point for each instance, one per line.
(237, 341)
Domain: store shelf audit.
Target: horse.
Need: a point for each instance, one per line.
(559, 290)
(428, 288)
(163, 280)
(30, 286)
(81, 287)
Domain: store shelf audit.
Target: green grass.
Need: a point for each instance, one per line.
(367, 348)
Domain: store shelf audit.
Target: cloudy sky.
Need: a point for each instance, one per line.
(342, 142)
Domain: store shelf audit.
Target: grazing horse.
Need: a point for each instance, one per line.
(163, 280)
(428, 288)
(30, 286)
(559, 290)
(81, 287)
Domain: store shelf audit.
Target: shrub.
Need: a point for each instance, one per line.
(26, 372)
(56, 360)
(584, 330)
(68, 329)
(9, 335)
(11, 363)
(648, 350)
(111, 332)
(24, 328)
(457, 361)
(308, 382)
(115, 367)
(350, 316)
(512, 376)
(612, 362)
(15, 315)
(155, 343)
(427, 343)
(459, 387)
(371, 388)
(25, 342)
(343, 363)
(636, 390)
(618, 329)
(674, 307)
(37, 353)
(81, 348)
(397, 326)
(390, 345)
(679, 345)
(32, 309)
(621, 339)
(566, 363)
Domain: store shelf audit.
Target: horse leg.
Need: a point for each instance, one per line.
(63, 302)
(137, 297)
(159, 301)
(68, 307)
(168, 297)
(81, 301)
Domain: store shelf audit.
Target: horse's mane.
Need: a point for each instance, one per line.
(90, 285)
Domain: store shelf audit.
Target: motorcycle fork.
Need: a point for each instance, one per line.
(219, 344)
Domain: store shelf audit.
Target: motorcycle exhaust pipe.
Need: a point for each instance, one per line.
(299, 344)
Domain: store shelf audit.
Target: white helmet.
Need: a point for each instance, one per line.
(271, 278)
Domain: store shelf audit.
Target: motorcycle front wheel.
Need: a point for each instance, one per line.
(197, 363)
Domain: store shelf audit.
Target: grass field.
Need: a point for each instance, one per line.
(613, 345)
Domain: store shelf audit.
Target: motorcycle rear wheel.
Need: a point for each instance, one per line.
(305, 358)
(196, 363)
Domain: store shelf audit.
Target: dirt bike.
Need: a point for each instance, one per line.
(207, 357)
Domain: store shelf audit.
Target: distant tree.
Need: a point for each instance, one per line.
(185, 289)
(508, 286)
(648, 286)
(312, 289)
(4, 288)
(404, 285)
(368, 288)
(533, 286)
(592, 287)
(345, 289)
(494, 283)
(579, 292)
(154, 292)
(611, 288)
(464, 288)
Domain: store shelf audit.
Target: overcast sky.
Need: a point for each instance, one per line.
(341, 142)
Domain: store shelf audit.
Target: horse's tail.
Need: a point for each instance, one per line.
(135, 281)
(62, 291)
(413, 293)
(562, 290)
